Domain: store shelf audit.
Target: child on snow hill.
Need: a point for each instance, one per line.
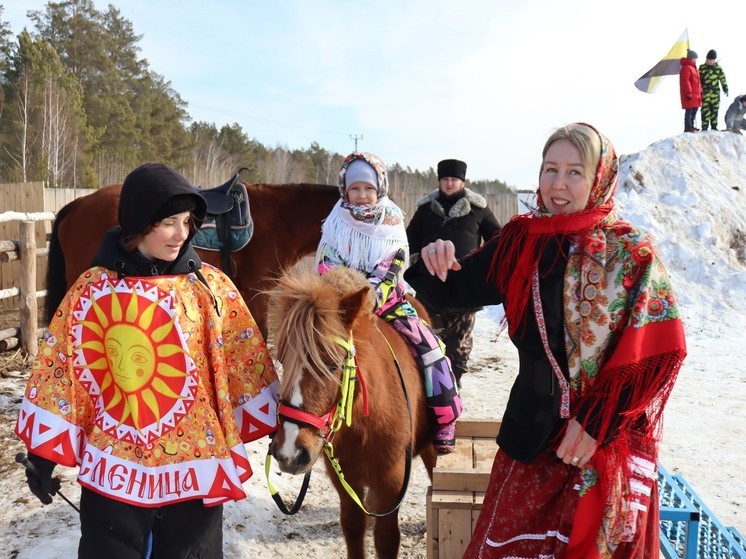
(712, 78)
(365, 231)
(690, 90)
(150, 380)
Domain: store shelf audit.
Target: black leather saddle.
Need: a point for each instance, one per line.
(228, 226)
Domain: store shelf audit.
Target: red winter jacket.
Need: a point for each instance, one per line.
(691, 90)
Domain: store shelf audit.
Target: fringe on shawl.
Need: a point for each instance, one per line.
(359, 245)
(642, 389)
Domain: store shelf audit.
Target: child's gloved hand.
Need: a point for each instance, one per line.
(392, 274)
(39, 476)
(389, 283)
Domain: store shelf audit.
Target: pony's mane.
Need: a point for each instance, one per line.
(305, 319)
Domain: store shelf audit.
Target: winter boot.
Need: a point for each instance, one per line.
(444, 440)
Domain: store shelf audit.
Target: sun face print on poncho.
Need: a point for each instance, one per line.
(130, 356)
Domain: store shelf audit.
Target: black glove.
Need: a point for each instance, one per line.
(397, 264)
(39, 477)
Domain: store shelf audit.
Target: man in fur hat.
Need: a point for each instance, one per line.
(460, 215)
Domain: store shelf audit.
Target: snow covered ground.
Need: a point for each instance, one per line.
(690, 191)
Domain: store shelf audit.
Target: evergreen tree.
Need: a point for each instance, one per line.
(79, 106)
(326, 164)
(134, 115)
(6, 45)
(44, 128)
(5, 50)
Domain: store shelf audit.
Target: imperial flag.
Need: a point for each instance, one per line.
(669, 65)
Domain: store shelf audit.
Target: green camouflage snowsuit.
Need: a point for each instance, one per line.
(712, 77)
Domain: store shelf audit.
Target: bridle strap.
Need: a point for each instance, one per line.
(350, 369)
(330, 423)
(296, 415)
(334, 461)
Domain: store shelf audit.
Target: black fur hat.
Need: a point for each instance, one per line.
(452, 168)
(712, 54)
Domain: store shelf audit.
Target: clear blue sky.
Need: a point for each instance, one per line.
(483, 81)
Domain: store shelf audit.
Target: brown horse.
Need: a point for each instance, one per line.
(309, 315)
(287, 226)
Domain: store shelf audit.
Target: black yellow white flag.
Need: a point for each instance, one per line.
(669, 65)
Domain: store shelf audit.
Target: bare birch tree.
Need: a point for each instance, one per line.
(20, 157)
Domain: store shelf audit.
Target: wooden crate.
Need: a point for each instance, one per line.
(459, 483)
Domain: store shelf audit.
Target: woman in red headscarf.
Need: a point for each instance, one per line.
(591, 310)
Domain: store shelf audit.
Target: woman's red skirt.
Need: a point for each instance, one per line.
(535, 511)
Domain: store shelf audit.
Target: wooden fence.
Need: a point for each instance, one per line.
(25, 252)
(29, 198)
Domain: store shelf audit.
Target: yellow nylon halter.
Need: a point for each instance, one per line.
(343, 413)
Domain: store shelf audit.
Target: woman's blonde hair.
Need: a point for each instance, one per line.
(585, 139)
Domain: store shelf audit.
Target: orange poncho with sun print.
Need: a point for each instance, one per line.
(150, 389)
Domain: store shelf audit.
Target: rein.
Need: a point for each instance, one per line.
(339, 415)
(329, 449)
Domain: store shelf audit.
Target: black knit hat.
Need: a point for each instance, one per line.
(691, 55)
(452, 168)
(154, 191)
(173, 206)
(712, 54)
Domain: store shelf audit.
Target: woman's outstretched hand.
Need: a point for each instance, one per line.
(439, 257)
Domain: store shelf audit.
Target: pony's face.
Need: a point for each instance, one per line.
(314, 391)
(309, 313)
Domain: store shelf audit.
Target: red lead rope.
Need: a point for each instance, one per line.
(364, 386)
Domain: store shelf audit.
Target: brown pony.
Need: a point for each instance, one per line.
(287, 226)
(308, 314)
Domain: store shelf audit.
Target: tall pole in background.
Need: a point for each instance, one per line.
(356, 138)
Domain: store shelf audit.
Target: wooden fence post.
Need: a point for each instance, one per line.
(27, 287)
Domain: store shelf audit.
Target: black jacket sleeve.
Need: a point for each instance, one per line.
(464, 289)
(414, 232)
(489, 225)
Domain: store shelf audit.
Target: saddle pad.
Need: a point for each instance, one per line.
(207, 236)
